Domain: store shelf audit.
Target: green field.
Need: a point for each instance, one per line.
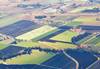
(9, 20)
(98, 44)
(28, 44)
(45, 45)
(86, 19)
(89, 39)
(35, 34)
(2, 46)
(58, 45)
(65, 36)
(94, 41)
(81, 9)
(36, 57)
(85, 39)
(74, 23)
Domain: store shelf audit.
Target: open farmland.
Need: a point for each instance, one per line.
(49, 34)
(58, 45)
(77, 10)
(9, 20)
(65, 36)
(63, 63)
(2, 46)
(10, 51)
(86, 19)
(19, 28)
(34, 34)
(74, 23)
(89, 39)
(93, 41)
(36, 57)
(47, 45)
(98, 44)
(85, 39)
(28, 44)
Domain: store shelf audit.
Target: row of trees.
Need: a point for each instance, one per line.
(29, 51)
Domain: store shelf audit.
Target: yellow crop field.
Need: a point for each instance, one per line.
(65, 36)
(35, 33)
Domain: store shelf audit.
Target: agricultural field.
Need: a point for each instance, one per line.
(89, 39)
(2, 46)
(49, 34)
(36, 57)
(77, 10)
(85, 39)
(58, 45)
(86, 19)
(47, 45)
(9, 20)
(93, 41)
(74, 23)
(98, 44)
(65, 36)
(34, 35)
(28, 44)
